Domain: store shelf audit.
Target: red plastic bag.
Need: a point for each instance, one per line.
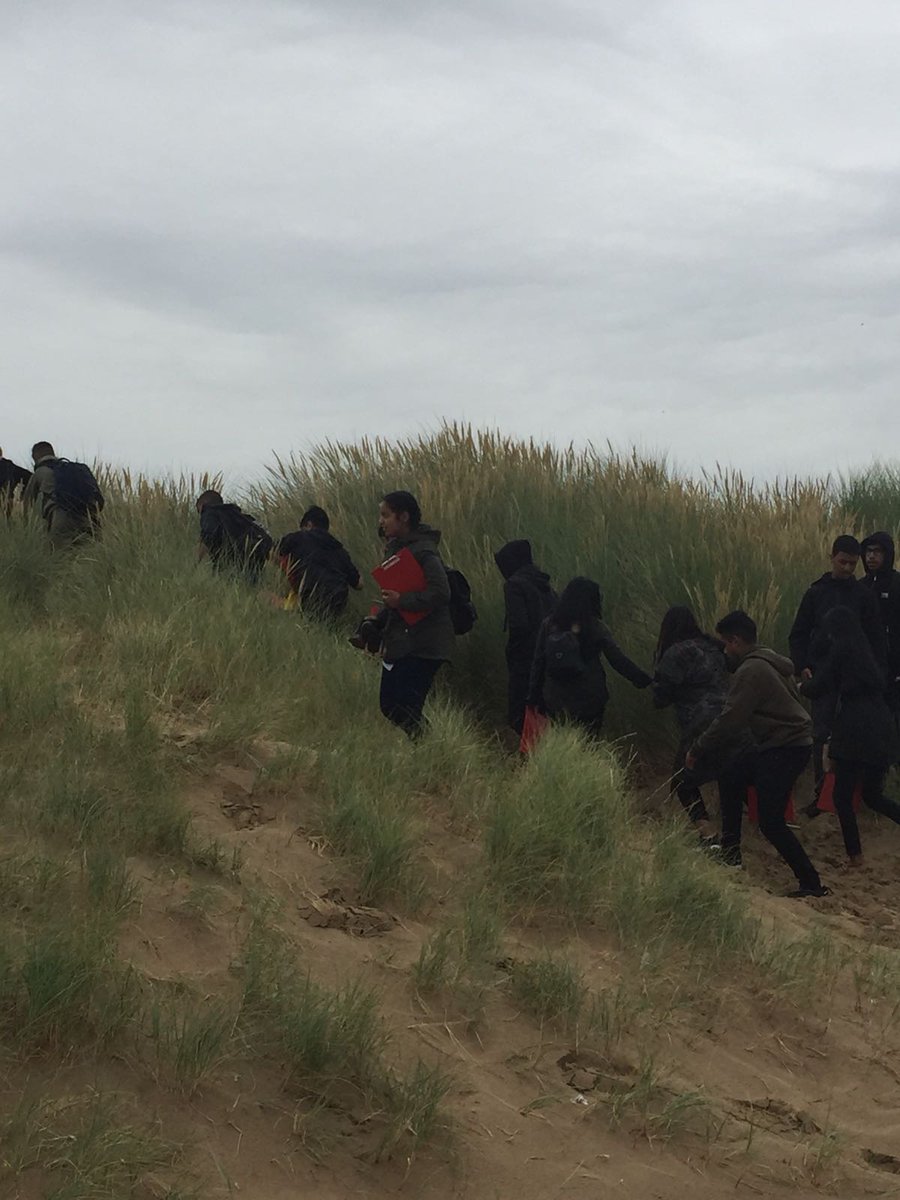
(533, 728)
(753, 806)
(826, 796)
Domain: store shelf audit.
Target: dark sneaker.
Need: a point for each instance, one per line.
(805, 893)
(730, 856)
(812, 810)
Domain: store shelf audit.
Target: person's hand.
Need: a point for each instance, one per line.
(690, 760)
(390, 599)
(806, 675)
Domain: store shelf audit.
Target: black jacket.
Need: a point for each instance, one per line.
(12, 476)
(528, 599)
(808, 648)
(319, 569)
(693, 675)
(583, 699)
(432, 637)
(885, 585)
(863, 729)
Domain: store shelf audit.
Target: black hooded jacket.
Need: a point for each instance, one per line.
(319, 569)
(885, 584)
(528, 599)
(807, 646)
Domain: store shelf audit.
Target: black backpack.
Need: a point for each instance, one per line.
(75, 490)
(463, 612)
(563, 654)
(249, 541)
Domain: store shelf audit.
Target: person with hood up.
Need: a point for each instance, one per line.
(319, 569)
(528, 599)
(568, 681)
(884, 581)
(763, 699)
(691, 673)
(836, 588)
(864, 739)
(412, 653)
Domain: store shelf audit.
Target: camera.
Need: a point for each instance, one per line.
(368, 635)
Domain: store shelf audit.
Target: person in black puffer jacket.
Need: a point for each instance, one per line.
(864, 738)
(691, 673)
(412, 654)
(567, 677)
(319, 569)
(836, 588)
(884, 581)
(528, 599)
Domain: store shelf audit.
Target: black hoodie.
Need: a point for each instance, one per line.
(320, 570)
(808, 647)
(886, 586)
(528, 598)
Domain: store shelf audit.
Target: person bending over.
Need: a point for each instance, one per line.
(233, 541)
(763, 698)
(864, 738)
(568, 680)
(319, 569)
(412, 653)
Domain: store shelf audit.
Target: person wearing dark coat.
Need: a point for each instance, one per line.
(412, 654)
(884, 581)
(12, 477)
(864, 739)
(528, 599)
(836, 588)
(568, 681)
(691, 674)
(319, 569)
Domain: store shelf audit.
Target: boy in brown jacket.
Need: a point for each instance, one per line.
(764, 699)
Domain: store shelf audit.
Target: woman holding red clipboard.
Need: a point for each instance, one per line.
(417, 626)
(863, 735)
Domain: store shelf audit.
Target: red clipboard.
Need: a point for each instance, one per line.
(402, 573)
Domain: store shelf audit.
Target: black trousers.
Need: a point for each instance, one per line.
(517, 691)
(405, 685)
(773, 773)
(685, 787)
(823, 710)
(847, 775)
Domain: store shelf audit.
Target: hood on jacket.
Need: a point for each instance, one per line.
(535, 576)
(886, 542)
(782, 665)
(513, 556)
(828, 580)
(323, 539)
(425, 536)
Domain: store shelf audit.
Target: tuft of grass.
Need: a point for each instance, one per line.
(551, 989)
(192, 1038)
(414, 1109)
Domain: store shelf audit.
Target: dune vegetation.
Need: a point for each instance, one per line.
(202, 809)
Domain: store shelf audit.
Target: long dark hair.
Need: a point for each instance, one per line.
(851, 651)
(404, 502)
(581, 603)
(678, 625)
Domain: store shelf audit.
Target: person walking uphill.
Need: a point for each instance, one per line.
(567, 677)
(12, 478)
(691, 673)
(414, 647)
(884, 582)
(528, 600)
(231, 539)
(763, 697)
(864, 739)
(66, 495)
(836, 588)
(319, 569)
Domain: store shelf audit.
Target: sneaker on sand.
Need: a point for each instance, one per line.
(804, 893)
(812, 810)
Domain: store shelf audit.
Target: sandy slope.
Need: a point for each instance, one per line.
(777, 1082)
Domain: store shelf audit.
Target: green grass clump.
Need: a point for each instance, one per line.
(550, 988)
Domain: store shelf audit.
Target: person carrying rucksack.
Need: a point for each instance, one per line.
(319, 569)
(231, 539)
(66, 495)
(414, 646)
(567, 676)
(528, 599)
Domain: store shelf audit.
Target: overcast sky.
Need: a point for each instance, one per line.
(229, 227)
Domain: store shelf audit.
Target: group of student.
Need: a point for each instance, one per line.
(738, 705)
